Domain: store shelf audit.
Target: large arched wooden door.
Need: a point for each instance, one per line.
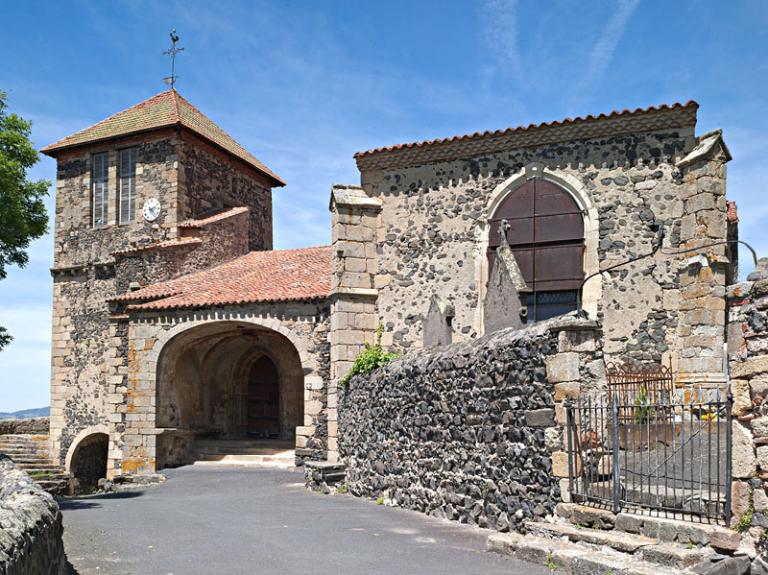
(263, 399)
(546, 234)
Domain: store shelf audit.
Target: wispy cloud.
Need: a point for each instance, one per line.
(501, 35)
(603, 50)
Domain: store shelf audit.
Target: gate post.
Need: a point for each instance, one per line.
(615, 455)
(728, 455)
(568, 432)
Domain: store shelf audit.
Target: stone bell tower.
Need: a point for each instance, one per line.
(131, 193)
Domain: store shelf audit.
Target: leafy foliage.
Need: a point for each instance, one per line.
(642, 406)
(23, 217)
(371, 357)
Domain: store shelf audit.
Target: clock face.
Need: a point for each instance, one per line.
(151, 209)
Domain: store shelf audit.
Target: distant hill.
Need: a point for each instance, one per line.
(26, 413)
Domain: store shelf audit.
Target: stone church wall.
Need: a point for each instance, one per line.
(220, 242)
(93, 265)
(209, 181)
(432, 234)
(474, 431)
(86, 343)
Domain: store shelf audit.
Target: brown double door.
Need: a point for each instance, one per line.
(263, 399)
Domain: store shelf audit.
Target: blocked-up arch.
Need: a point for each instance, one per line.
(581, 201)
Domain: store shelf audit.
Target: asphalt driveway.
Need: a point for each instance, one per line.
(239, 521)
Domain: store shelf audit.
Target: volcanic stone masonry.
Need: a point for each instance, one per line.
(748, 360)
(471, 432)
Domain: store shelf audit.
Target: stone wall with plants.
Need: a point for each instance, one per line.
(471, 432)
(30, 526)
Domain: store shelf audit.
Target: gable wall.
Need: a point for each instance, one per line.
(432, 234)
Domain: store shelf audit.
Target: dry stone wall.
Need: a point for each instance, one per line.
(30, 526)
(470, 432)
(24, 426)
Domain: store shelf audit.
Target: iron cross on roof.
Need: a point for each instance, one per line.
(172, 53)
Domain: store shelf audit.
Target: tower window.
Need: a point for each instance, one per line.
(100, 199)
(546, 235)
(127, 185)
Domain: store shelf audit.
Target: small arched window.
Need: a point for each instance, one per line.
(545, 231)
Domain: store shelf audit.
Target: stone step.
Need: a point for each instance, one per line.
(573, 558)
(682, 529)
(42, 464)
(29, 459)
(228, 450)
(25, 452)
(624, 542)
(23, 439)
(247, 461)
(651, 550)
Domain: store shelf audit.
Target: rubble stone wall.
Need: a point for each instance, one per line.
(748, 361)
(474, 431)
(86, 345)
(210, 180)
(31, 541)
(220, 242)
(434, 223)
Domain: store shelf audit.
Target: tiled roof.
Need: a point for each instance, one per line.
(158, 246)
(160, 111)
(469, 145)
(260, 276)
(202, 222)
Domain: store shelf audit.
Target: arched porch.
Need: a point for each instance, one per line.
(226, 380)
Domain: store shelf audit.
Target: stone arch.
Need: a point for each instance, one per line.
(308, 363)
(201, 386)
(593, 288)
(87, 458)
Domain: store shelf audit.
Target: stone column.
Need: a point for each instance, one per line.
(354, 218)
(702, 273)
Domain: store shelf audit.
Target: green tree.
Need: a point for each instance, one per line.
(23, 217)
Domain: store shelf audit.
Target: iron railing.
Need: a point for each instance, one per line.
(635, 450)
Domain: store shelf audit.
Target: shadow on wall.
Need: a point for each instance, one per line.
(89, 463)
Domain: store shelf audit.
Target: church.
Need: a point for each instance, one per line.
(175, 322)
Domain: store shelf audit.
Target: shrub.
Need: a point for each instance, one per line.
(371, 357)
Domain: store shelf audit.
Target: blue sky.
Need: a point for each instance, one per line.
(305, 84)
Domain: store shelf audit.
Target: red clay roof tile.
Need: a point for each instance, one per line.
(160, 111)
(507, 131)
(259, 276)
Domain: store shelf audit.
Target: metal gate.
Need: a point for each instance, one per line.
(646, 445)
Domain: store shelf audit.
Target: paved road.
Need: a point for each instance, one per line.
(236, 521)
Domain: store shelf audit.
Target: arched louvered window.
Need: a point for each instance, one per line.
(546, 235)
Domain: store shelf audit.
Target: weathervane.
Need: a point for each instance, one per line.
(172, 53)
